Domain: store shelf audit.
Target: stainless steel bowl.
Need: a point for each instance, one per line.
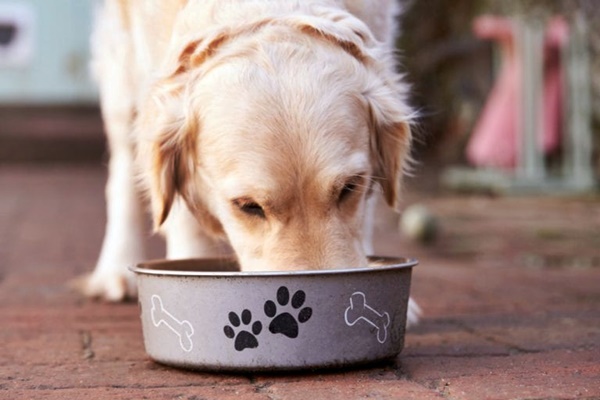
(204, 314)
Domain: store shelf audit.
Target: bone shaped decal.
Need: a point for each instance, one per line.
(359, 309)
(183, 329)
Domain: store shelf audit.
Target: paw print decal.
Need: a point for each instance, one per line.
(285, 314)
(284, 322)
(245, 339)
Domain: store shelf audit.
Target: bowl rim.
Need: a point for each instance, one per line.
(183, 268)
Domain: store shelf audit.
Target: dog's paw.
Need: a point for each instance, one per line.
(413, 314)
(113, 287)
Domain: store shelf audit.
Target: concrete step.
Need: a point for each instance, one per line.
(51, 135)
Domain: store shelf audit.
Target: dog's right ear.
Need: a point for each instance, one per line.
(197, 51)
(167, 148)
(167, 144)
(168, 127)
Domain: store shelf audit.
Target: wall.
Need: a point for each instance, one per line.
(44, 52)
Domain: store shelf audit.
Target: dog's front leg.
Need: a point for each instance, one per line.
(123, 239)
(124, 235)
(414, 311)
(123, 244)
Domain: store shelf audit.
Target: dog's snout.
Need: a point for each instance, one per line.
(323, 257)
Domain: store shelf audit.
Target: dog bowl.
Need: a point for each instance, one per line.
(204, 314)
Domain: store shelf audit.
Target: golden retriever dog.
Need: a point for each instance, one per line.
(261, 127)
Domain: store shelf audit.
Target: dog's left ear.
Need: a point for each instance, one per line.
(390, 123)
(385, 93)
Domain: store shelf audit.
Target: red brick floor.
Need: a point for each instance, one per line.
(510, 291)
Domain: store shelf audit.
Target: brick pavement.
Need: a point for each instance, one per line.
(511, 293)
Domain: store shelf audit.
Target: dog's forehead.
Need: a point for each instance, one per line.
(264, 130)
(272, 177)
(291, 123)
(251, 140)
(286, 86)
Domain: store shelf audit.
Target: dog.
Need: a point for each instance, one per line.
(262, 128)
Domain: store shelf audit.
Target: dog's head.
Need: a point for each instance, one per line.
(275, 135)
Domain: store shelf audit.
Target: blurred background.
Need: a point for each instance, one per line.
(454, 71)
(48, 104)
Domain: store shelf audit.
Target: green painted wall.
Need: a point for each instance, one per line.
(58, 70)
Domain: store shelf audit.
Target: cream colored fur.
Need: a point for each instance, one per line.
(264, 128)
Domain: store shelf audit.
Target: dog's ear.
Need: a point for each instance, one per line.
(385, 93)
(390, 123)
(197, 50)
(168, 127)
(168, 153)
(173, 157)
(166, 149)
(168, 132)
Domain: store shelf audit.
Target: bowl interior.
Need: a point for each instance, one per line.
(229, 267)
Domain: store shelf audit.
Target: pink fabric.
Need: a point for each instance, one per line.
(493, 143)
(496, 138)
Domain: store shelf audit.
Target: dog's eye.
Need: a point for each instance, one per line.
(349, 188)
(347, 191)
(249, 207)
